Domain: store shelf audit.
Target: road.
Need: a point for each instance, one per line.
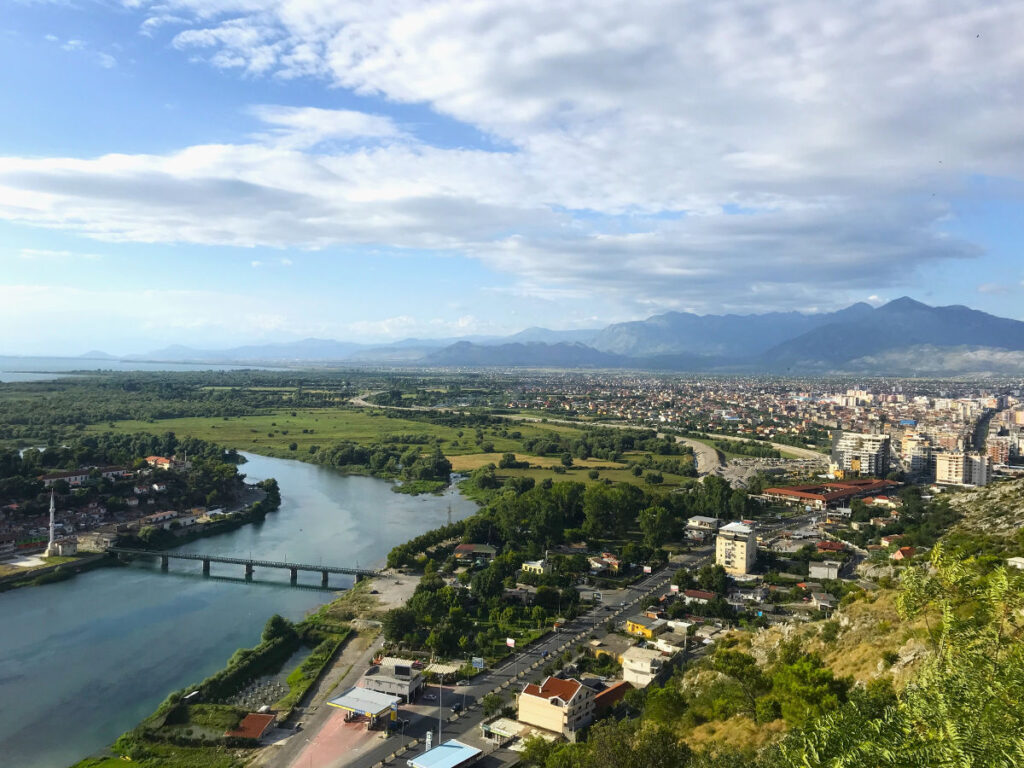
(803, 453)
(523, 667)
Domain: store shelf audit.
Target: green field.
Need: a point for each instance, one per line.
(271, 433)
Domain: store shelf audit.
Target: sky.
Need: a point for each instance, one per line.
(224, 172)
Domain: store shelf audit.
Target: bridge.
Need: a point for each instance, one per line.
(249, 563)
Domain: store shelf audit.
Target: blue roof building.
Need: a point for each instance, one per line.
(451, 754)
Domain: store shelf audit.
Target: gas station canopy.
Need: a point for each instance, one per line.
(364, 702)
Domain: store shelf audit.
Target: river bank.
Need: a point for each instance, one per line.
(123, 638)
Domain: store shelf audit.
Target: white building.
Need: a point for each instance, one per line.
(641, 665)
(959, 468)
(860, 452)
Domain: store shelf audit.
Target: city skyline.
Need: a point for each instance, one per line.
(222, 173)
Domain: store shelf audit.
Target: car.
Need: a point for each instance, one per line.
(463, 682)
(430, 697)
(457, 707)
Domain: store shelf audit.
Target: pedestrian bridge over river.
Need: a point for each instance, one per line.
(250, 563)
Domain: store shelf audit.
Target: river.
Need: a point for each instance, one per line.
(84, 660)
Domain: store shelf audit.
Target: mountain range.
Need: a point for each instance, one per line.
(902, 337)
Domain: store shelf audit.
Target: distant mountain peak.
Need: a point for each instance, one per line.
(904, 303)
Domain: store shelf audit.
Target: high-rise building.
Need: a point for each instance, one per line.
(736, 548)
(861, 452)
(959, 468)
(998, 449)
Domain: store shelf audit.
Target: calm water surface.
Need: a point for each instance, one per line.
(48, 368)
(84, 660)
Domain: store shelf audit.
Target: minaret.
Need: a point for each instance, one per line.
(51, 548)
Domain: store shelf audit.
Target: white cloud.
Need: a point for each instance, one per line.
(39, 254)
(304, 127)
(675, 154)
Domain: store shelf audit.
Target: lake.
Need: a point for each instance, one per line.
(84, 660)
(47, 368)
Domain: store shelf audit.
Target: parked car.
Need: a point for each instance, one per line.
(463, 682)
(457, 706)
(430, 697)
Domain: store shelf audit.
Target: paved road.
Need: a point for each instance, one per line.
(803, 453)
(507, 677)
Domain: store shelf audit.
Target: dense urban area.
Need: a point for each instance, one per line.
(670, 570)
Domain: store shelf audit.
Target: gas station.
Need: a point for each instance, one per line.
(361, 702)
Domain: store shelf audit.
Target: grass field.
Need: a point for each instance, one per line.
(271, 433)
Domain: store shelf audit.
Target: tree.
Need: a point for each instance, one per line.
(743, 669)
(398, 622)
(656, 526)
(566, 459)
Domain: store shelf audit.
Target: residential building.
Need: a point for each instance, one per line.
(557, 705)
(861, 453)
(538, 567)
(903, 553)
(736, 548)
(959, 468)
(645, 626)
(699, 596)
(700, 528)
(829, 569)
(640, 666)
(611, 695)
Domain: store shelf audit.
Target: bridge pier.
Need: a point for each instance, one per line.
(359, 577)
(295, 575)
(323, 578)
(163, 562)
(206, 567)
(248, 571)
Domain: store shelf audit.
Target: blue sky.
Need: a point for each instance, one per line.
(221, 172)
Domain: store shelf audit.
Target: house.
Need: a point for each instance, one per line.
(699, 596)
(701, 528)
(823, 601)
(474, 553)
(903, 553)
(606, 561)
(671, 642)
(644, 626)
(72, 478)
(891, 539)
(159, 519)
(522, 593)
(612, 646)
(1015, 562)
(159, 487)
(830, 546)
(829, 569)
(253, 726)
(611, 695)
(537, 567)
(159, 462)
(557, 705)
(640, 666)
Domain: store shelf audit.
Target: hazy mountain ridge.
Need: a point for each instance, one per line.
(903, 337)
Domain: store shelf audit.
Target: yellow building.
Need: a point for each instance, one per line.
(736, 549)
(644, 626)
(538, 567)
(560, 706)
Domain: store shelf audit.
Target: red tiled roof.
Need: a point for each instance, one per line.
(554, 686)
(699, 594)
(612, 695)
(252, 726)
(831, 546)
